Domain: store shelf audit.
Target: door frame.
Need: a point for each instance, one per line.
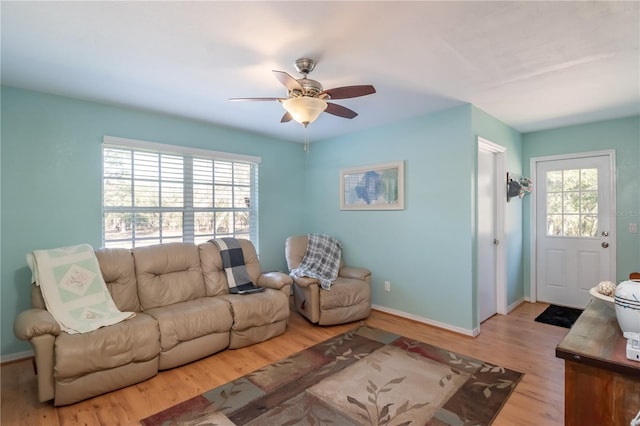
(533, 231)
(500, 223)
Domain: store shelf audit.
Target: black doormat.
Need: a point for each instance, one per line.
(559, 315)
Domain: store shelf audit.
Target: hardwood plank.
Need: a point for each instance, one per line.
(514, 341)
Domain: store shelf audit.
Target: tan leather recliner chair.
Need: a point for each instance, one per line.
(348, 300)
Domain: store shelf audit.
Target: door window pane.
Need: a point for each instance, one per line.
(571, 225)
(572, 203)
(554, 181)
(589, 226)
(554, 203)
(589, 202)
(554, 224)
(570, 180)
(589, 179)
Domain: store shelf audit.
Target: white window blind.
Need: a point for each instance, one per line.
(156, 193)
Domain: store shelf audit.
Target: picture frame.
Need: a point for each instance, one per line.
(373, 187)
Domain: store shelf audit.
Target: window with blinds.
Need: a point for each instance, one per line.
(156, 193)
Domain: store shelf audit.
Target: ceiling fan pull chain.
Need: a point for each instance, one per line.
(306, 140)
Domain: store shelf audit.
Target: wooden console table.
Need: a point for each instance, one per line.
(601, 386)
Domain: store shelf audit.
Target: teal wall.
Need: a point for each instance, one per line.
(499, 133)
(51, 181)
(425, 250)
(621, 135)
(51, 178)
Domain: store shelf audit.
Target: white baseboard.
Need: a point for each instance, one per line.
(445, 326)
(18, 356)
(515, 304)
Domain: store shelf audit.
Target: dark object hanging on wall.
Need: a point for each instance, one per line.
(513, 189)
(518, 188)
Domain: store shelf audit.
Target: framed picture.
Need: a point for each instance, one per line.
(376, 187)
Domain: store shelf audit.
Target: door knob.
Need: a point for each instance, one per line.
(605, 234)
(605, 245)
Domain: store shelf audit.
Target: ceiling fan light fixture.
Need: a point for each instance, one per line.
(304, 109)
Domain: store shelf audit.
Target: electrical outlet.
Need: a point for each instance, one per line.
(633, 228)
(387, 286)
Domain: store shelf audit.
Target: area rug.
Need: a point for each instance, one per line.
(559, 315)
(363, 377)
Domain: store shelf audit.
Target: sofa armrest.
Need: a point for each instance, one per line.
(357, 273)
(35, 322)
(44, 360)
(305, 281)
(275, 280)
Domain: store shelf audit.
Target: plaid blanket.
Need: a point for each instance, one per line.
(238, 278)
(321, 260)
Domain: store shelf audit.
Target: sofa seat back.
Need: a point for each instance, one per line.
(295, 250)
(119, 273)
(168, 274)
(215, 277)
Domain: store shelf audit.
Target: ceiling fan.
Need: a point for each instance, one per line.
(306, 98)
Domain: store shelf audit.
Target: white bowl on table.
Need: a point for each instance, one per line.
(595, 293)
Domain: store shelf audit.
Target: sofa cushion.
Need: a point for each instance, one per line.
(214, 275)
(345, 292)
(185, 321)
(134, 340)
(258, 309)
(168, 274)
(119, 273)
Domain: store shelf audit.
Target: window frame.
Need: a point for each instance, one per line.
(581, 214)
(189, 232)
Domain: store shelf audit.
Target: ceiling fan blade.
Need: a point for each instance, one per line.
(255, 99)
(287, 81)
(350, 91)
(286, 118)
(340, 111)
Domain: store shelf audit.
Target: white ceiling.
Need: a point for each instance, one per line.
(532, 65)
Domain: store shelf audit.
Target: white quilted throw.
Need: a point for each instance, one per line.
(73, 288)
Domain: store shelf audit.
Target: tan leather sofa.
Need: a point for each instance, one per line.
(348, 300)
(184, 312)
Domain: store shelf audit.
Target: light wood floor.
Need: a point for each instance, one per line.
(514, 341)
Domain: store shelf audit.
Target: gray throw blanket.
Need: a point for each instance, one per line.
(321, 260)
(233, 262)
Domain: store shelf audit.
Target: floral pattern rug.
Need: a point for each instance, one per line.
(363, 377)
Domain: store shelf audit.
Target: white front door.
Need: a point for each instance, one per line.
(487, 305)
(575, 227)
